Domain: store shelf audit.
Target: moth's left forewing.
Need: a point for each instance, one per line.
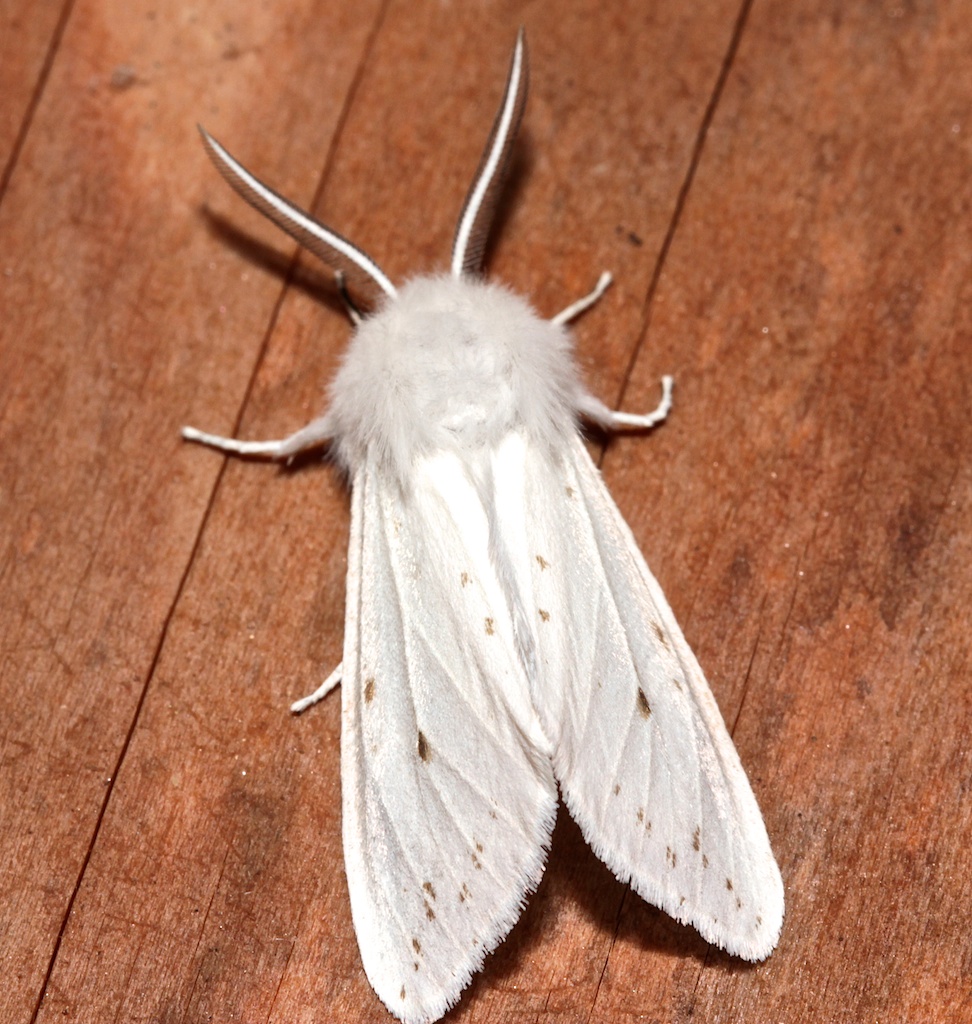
(642, 755)
(448, 793)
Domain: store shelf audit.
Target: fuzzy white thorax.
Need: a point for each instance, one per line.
(450, 364)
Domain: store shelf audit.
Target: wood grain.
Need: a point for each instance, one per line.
(781, 191)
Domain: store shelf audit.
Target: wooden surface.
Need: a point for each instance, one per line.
(783, 194)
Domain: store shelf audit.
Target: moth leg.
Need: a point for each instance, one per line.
(597, 412)
(354, 314)
(320, 693)
(316, 433)
(576, 308)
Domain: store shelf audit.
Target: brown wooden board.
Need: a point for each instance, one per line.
(28, 50)
(782, 195)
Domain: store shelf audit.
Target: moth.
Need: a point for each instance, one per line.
(504, 637)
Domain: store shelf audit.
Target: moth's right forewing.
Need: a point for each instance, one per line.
(642, 755)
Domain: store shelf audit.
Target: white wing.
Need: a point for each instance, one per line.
(642, 756)
(448, 792)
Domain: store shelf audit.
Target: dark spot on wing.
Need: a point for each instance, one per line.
(695, 837)
(643, 706)
(423, 747)
(489, 627)
(416, 945)
(542, 562)
(369, 691)
(429, 912)
(544, 615)
(427, 886)
(660, 634)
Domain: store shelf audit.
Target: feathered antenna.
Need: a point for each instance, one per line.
(480, 206)
(327, 245)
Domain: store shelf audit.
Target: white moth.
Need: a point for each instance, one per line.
(503, 634)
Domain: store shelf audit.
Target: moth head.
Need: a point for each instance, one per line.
(450, 364)
(445, 362)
